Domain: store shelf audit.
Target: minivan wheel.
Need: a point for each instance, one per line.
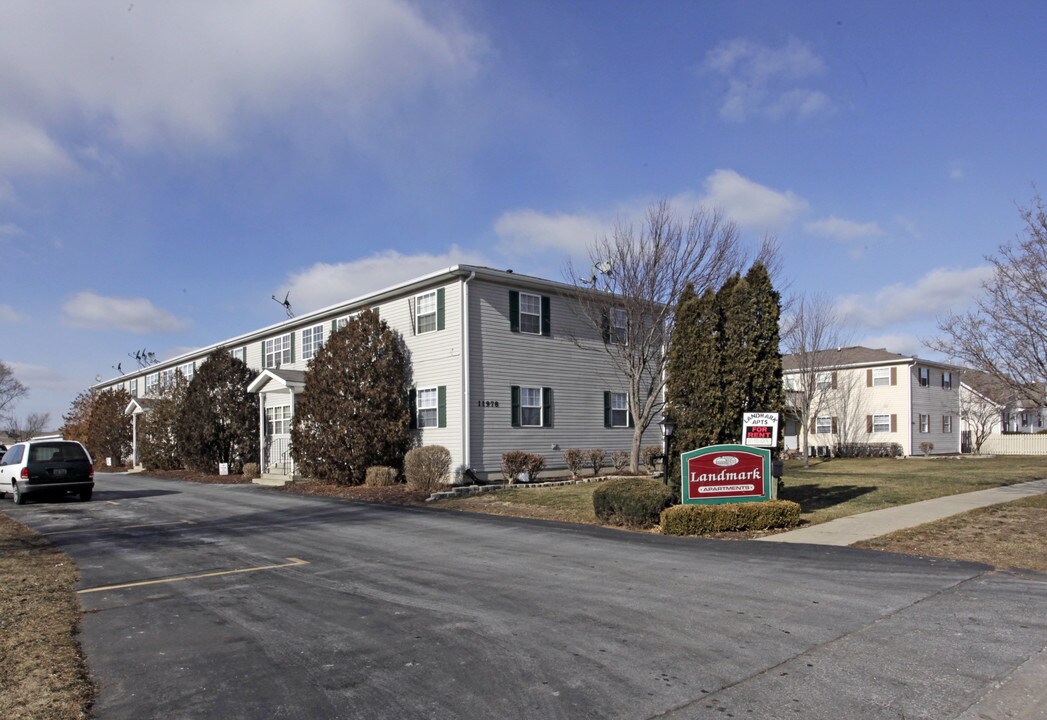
(85, 495)
(19, 496)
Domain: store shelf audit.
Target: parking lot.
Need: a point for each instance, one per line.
(242, 602)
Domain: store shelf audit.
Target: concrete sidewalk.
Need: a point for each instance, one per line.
(865, 526)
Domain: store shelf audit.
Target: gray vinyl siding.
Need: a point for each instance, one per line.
(935, 401)
(578, 376)
(436, 359)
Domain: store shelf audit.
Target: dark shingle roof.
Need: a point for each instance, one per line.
(842, 357)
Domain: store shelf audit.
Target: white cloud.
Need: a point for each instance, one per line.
(10, 230)
(749, 203)
(137, 315)
(325, 284)
(9, 315)
(843, 230)
(940, 291)
(195, 71)
(901, 343)
(39, 377)
(765, 82)
(523, 232)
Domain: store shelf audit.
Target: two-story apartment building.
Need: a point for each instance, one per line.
(500, 361)
(863, 395)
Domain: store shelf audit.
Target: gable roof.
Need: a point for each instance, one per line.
(846, 357)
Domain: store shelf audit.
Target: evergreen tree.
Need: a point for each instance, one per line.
(218, 420)
(724, 360)
(157, 444)
(354, 412)
(108, 428)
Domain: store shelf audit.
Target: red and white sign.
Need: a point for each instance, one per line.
(726, 474)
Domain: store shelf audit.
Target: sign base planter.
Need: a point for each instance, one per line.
(726, 474)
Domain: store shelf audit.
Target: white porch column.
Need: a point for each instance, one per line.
(261, 433)
(289, 442)
(134, 440)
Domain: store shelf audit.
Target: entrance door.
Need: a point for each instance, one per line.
(278, 459)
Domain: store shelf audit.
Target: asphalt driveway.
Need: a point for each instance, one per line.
(210, 601)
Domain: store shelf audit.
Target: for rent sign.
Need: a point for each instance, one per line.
(726, 473)
(760, 429)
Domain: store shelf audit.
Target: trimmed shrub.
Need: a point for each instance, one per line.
(514, 462)
(635, 502)
(426, 467)
(380, 476)
(574, 459)
(729, 517)
(866, 450)
(648, 453)
(620, 460)
(597, 458)
(251, 470)
(535, 465)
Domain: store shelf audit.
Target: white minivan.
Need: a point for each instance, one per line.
(46, 466)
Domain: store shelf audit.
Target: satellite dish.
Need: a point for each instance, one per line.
(605, 267)
(98, 378)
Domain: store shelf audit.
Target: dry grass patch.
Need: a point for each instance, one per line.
(835, 488)
(398, 494)
(44, 675)
(1010, 535)
(199, 477)
(569, 503)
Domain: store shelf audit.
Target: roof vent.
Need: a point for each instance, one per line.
(509, 270)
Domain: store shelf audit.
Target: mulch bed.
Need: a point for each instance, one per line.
(190, 476)
(388, 494)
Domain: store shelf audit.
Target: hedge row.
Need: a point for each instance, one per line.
(729, 517)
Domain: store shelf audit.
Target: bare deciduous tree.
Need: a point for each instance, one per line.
(10, 390)
(980, 414)
(33, 424)
(1005, 335)
(637, 277)
(812, 327)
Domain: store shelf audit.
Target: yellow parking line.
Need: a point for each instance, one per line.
(119, 527)
(292, 562)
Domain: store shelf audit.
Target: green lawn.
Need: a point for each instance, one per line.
(826, 490)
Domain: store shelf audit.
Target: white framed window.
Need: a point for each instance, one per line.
(530, 313)
(428, 407)
(425, 312)
(823, 380)
(947, 380)
(620, 325)
(946, 423)
(134, 387)
(312, 340)
(823, 425)
(619, 409)
(167, 377)
(240, 354)
(925, 423)
(790, 382)
(152, 383)
(881, 376)
(187, 370)
(530, 406)
(881, 423)
(277, 351)
(278, 420)
(925, 376)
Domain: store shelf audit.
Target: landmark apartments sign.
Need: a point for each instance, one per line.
(726, 473)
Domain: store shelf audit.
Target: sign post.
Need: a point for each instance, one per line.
(726, 473)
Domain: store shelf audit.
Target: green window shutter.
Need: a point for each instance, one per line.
(334, 326)
(547, 407)
(375, 310)
(628, 412)
(440, 310)
(605, 328)
(293, 333)
(546, 321)
(606, 409)
(514, 311)
(261, 346)
(441, 398)
(412, 401)
(516, 405)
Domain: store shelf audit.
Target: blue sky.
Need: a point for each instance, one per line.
(167, 167)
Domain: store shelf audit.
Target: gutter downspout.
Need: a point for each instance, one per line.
(912, 427)
(466, 396)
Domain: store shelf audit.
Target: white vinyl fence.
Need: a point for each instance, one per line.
(1015, 445)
